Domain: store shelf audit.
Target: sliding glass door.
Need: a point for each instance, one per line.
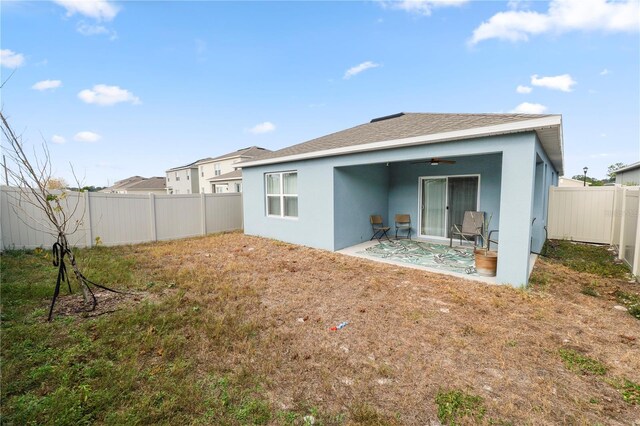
(443, 201)
(434, 205)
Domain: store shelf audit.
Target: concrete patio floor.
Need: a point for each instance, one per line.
(360, 250)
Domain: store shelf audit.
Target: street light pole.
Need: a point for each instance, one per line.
(584, 180)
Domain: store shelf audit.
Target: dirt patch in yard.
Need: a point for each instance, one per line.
(107, 302)
(410, 334)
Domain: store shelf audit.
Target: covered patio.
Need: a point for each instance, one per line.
(423, 254)
(436, 195)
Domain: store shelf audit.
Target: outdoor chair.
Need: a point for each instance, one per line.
(471, 228)
(403, 223)
(378, 228)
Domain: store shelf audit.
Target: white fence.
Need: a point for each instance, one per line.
(120, 218)
(606, 215)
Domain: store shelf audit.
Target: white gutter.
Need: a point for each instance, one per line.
(518, 126)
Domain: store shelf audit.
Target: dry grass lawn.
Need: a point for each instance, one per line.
(411, 335)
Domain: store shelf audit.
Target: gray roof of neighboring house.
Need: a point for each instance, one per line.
(137, 183)
(234, 175)
(125, 182)
(400, 126)
(629, 167)
(153, 183)
(186, 166)
(252, 152)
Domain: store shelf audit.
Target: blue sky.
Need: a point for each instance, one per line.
(134, 88)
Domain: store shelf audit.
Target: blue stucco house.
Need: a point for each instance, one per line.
(320, 193)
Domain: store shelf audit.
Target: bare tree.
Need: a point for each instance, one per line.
(31, 175)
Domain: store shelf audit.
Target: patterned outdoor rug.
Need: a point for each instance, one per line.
(441, 256)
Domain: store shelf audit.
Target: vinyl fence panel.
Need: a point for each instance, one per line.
(119, 218)
(581, 214)
(25, 225)
(224, 211)
(630, 226)
(178, 219)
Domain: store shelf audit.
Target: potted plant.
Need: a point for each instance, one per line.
(486, 260)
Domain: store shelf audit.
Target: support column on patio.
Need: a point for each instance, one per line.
(516, 200)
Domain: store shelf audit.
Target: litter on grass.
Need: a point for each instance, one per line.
(339, 326)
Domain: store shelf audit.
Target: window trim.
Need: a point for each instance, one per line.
(280, 195)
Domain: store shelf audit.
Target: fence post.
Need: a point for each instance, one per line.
(622, 215)
(152, 217)
(635, 266)
(87, 212)
(203, 214)
(613, 215)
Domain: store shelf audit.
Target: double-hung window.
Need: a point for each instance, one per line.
(282, 194)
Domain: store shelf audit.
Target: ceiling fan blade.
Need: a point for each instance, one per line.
(434, 161)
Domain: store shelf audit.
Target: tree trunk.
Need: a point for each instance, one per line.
(83, 286)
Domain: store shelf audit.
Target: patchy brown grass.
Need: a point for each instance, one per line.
(410, 333)
(245, 328)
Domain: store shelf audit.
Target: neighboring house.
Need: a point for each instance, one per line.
(227, 182)
(219, 175)
(565, 182)
(628, 175)
(183, 179)
(138, 185)
(120, 185)
(153, 185)
(320, 193)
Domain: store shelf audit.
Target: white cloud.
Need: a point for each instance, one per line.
(518, 4)
(58, 139)
(524, 89)
(47, 85)
(91, 30)
(101, 94)
(562, 16)
(562, 82)
(100, 10)
(529, 108)
(359, 68)
(265, 127)
(11, 59)
(421, 7)
(604, 72)
(87, 137)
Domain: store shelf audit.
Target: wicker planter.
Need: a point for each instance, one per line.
(486, 262)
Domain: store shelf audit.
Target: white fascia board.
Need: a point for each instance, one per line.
(224, 179)
(517, 127)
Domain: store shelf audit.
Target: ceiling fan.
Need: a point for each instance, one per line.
(435, 161)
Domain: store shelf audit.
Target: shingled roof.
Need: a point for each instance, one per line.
(395, 127)
(153, 183)
(250, 152)
(234, 175)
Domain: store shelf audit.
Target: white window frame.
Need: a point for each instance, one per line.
(216, 169)
(281, 195)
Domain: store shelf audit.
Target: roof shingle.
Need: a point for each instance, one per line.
(399, 126)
